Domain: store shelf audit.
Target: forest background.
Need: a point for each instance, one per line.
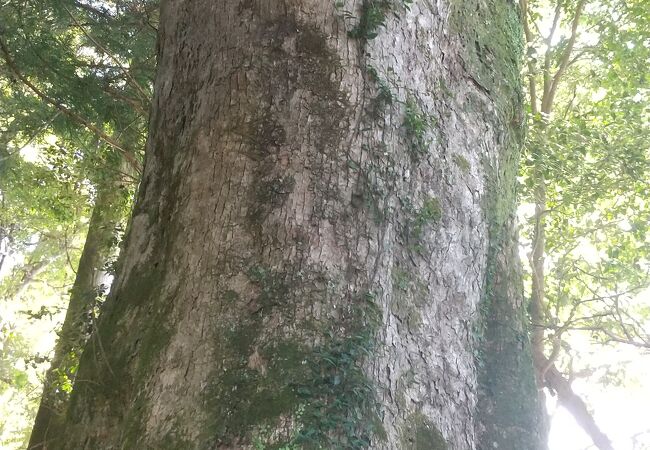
(75, 84)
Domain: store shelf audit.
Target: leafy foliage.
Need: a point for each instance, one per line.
(594, 162)
(586, 173)
(416, 124)
(340, 407)
(373, 17)
(75, 83)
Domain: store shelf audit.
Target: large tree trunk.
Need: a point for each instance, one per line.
(325, 204)
(108, 212)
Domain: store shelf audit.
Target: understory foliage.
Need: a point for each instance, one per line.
(340, 404)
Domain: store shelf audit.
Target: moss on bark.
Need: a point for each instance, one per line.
(510, 415)
(419, 433)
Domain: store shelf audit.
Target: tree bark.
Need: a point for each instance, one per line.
(108, 212)
(326, 201)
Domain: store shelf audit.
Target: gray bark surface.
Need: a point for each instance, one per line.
(313, 233)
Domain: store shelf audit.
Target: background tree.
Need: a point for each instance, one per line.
(76, 83)
(586, 173)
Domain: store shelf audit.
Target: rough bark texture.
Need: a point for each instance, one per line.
(100, 243)
(323, 200)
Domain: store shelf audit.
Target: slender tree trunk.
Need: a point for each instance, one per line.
(108, 211)
(538, 306)
(325, 204)
(546, 373)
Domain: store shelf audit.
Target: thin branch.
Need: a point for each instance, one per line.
(613, 337)
(556, 20)
(621, 322)
(136, 104)
(636, 326)
(535, 24)
(32, 137)
(92, 10)
(548, 53)
(629, 341)
(577, 57)
(555, 352)
(570, 102)
(632, 438)
(67, 252)
(613, 296)
(29, 275)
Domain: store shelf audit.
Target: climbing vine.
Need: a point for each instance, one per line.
(340, 410)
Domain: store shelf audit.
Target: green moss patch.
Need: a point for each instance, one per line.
(420, 433)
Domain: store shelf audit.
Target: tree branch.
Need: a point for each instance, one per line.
(547, 54)
(93, 10)
(32, 137)
(547, 103)
(573, 403)
(532, 86)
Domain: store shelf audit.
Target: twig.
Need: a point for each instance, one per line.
(547, 57)
(67, 253)
(547, 105)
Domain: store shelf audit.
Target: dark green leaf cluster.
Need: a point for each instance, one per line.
(416, 124)
(340, 408)
(429, 214)
(373, 17)
(384, 94)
